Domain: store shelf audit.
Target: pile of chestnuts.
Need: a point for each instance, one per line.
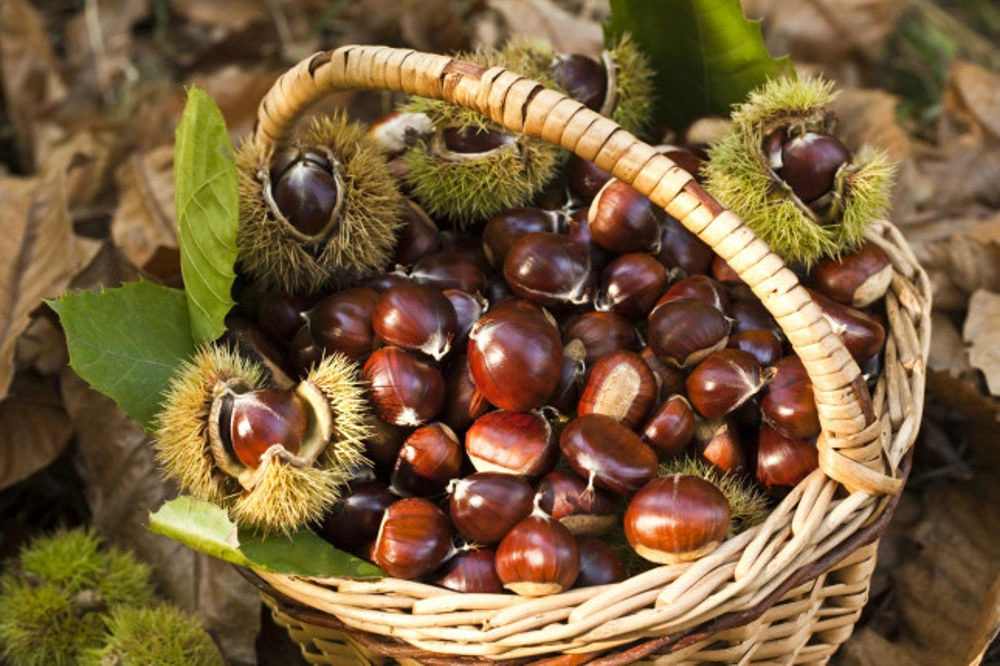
(529, 375)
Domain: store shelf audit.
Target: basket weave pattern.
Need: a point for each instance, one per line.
(797, 581)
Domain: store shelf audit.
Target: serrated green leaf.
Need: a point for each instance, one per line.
(706, 54)
(207, 197)
(127, 342)
(205, 527)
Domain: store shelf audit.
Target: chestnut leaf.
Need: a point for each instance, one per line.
(206, 194)
(205, 527)
(127, 342)
(707, 56)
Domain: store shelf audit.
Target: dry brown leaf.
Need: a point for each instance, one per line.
(948, 353)
(42, 347)
(144, 221)
(869, 117)
(433, 26)
(957, 267)
(115, 459)
(237, 90)
(28, 73)
(227, 15)
(982, 332)
(546, 20)
(34, 429)
(826, 31)
(974, 91)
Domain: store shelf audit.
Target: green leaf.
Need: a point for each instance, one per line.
(127, 342)
(207, 197)
(706, 54)
(205, 527)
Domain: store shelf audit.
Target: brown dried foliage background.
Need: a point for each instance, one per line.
(93, 89)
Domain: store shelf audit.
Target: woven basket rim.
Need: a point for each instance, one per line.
(813, 525)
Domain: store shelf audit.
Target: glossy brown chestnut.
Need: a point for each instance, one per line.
(600, 564)
(676, 518)
(538, 557)
(582, 508)
(413, 540)
(685, 331)
(450, 269)
(463, 403)
(304, 189)
(602, 333)
(549, 269)
(620, 385)
(699, 288)
(342, 322)
(669, 378)
(671, 427)
(783, 461)
(468, 309)
(857, 278)
(428, 460)
(253, 422)
(861, 333)
(571, 378)
(718, 442)
(506, 227)
(763, 344)
(470, 570)
(469, 139)
(622, 220)
(512, 443)
(787, 403)
(604, 451)
(416, 318)
(515, 355)
(679, 248)
(809, 163)
(383, 444)
(404, 390)
(583, 78)
(584, 178)
(630, 285)
(418, 238)
(281, 315)
(484, 506)
(352, 524)
(724, 381)
(723, 272)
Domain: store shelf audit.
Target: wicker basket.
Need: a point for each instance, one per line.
(787, 591)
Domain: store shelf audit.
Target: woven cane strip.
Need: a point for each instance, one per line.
(856, 449)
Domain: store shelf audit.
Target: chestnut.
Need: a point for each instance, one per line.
(450, 269)
(383, 443)
(763, 344)
(686, 331)
(538, 557)
(700, 288)
(404, 390)
(416, 318)
(577, 504)
(281, 314)
(571, 378)
(857, 278)
(723, 272)
(630, 285)
(671, 427)
(418, 238)
(304, 189)
(463, 403)
(484, 506)
(413, 539)
(718, 443)
(428, 460)
(724, 380)
(680, 248)
(861, 333)
(749, 314)
(809, 163)
(782, 461)
(250, 423)
(582, 77)
(623, 220)
(604, 451)
(602, 333)
(352, 524)
(515, 355)
(787, 403)
(669, 378)
(600, 564)
(584, 178)
(471, 570)
(620, 385)
(468, 309)
(506, 227)
(549, 269)
(342, 322)
(676, 518)
(511, 442)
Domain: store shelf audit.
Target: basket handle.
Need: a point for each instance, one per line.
(850, 450)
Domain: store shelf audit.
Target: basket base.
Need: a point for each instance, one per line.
(807, 626)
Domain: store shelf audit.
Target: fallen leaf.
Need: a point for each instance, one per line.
(433, 26)
(34, 429)
(227, 15)
(948, 352)
(547, 20)
(237, 91)
(869, 117)
(958, 266)
(28, 73)
(115, 459)
(144, 221)
(982, 332)
(42, 347)
(974, 91)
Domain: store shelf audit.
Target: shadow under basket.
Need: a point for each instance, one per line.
(787, 591)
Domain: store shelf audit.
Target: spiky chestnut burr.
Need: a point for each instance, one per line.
(162, 634)
(321, 212)
(53, 600)
(275, 459)
(469, 168)
(784, 172)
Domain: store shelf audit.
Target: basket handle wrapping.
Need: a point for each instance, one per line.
(850, 446)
